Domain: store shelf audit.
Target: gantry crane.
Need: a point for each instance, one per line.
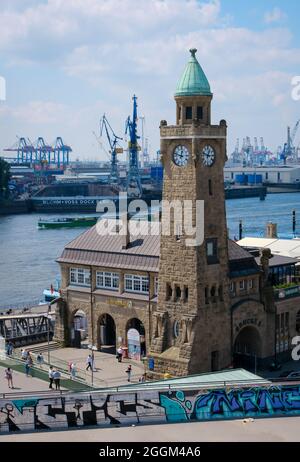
(113, 141)
(289, 149)
(134, 186)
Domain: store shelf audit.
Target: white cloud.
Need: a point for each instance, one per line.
(274, 16)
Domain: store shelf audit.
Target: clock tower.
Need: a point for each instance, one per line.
(191, 324)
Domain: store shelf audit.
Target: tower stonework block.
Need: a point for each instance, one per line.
(192, 330)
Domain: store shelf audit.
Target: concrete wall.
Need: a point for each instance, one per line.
(105, 409)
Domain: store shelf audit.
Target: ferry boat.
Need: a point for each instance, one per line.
(67, 222)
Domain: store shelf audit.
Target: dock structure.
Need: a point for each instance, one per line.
(24, 329)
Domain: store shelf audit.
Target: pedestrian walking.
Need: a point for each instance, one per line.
(9, 377)
(9, 348)
(128, 372)
(56, 377)
(24, 354)
(27, 367)
(50, 375)
(89, 362)
(40, 359)
(73, 371)
(119, 354)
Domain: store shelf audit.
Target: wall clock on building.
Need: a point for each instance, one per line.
(208, 155)
(181, 156)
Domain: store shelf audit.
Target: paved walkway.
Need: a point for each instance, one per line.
(21, 383)
(280, 429)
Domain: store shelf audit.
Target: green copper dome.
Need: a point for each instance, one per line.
(193, 80)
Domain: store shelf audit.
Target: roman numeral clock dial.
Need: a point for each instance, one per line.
(180, 156)
(208, 156)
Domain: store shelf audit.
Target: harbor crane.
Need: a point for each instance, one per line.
(288, 148)
(134, 185)
(113, 141)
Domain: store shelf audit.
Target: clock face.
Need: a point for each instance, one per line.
(208, 155)
(181, 156)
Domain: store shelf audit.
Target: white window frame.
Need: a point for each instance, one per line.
(80, 277)
(250, 284)
(107, 280)
(242, 284)
(136, 283)
(232, 287)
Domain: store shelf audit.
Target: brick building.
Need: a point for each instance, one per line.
(194, 308)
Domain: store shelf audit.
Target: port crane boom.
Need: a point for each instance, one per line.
(134, 186)
(113, 140)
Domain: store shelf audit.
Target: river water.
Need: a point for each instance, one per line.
(28, 254)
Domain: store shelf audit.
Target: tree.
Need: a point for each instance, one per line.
(4, 178)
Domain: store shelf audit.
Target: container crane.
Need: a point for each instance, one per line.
(289, 149)
(134, 186)
(113, 140)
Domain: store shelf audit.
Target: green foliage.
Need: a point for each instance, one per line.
(286, 285)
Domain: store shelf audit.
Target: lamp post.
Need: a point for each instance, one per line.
(48, 335)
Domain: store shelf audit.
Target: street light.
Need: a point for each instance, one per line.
(92, 348)
(48, 335)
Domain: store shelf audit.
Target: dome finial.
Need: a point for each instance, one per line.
(193, 52)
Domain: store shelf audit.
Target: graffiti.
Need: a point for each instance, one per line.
(100, 409)
(236, 403)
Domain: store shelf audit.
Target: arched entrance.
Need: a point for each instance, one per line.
(79, 328)
(107, 334)
(135, 337)
(247, 349)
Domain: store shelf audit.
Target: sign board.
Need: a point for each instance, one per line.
(134, 344)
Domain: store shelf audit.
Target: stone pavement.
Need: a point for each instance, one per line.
(280, 429)
(21, 383)
(108, 371)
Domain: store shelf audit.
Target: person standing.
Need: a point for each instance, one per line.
(40, 359)
(128, 372)
(28, 364)
(56, 376)
(50, 375)
(9, 377)
(73, 371)
(89, 362)
(120, 354)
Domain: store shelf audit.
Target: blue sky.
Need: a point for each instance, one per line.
(66, 62)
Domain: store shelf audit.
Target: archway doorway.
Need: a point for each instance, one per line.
(79, 328)
(135, 337)
(107, 334)
(247, 349)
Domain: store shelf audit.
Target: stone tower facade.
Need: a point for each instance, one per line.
(191, 328)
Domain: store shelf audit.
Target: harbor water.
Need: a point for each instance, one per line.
(28, 254)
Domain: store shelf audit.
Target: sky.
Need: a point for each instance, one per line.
(67, 62)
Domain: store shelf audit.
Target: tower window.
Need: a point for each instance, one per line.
(169, 292)
(212, 251)
(199, 112)
(178, 293)
(188, 112)
(210, 187)
(186, 293)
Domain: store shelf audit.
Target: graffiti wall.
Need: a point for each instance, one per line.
(100, 409)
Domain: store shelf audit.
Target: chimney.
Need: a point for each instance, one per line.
(125, 231)
(271, 230)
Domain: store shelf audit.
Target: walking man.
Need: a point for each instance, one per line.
(89, 362)
(128, 372)
(56, 376)
(9, 377)
(50, 375)
(73, 371)
(119, 354)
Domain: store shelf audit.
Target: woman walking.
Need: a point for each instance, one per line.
(9, 377)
